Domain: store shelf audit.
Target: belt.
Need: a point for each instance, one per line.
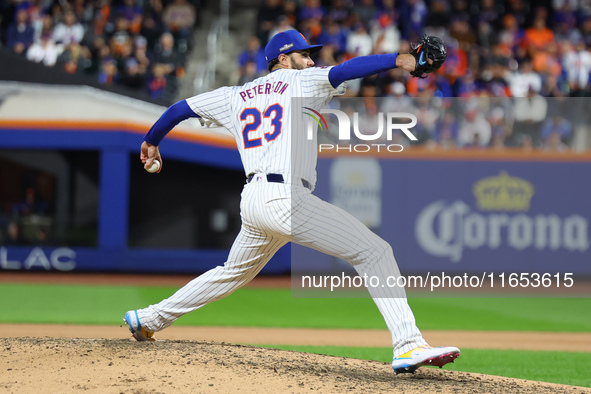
(278, 178)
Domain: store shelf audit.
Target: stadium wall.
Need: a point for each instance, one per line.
(461, 211)
(468, 212)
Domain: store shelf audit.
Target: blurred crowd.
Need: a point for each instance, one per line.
(531, 123)
(496, 49)
(140, 44)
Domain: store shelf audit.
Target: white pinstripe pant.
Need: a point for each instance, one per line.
(272, 215)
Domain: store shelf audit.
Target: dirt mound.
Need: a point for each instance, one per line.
(125, 366)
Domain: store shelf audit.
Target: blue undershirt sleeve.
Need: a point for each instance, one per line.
(360, 67)
(175, 114)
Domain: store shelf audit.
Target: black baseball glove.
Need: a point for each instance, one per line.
(429, 47)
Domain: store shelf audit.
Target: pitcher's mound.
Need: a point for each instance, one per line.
(126, 366)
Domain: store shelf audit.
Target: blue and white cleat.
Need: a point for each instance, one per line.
(425, 355)
(139, 333)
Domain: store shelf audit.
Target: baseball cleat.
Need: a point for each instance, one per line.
(425, 355)
(139, 333)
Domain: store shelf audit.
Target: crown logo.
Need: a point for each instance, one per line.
(503, 193)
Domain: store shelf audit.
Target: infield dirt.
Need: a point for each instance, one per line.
(66, 359)
(42, 364)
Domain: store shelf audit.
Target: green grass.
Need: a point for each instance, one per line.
(94, 304)
(553, 367)
(100, 304)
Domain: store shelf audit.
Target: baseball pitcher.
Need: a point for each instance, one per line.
(277, 205)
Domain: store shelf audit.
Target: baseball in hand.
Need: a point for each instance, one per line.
(155, 166)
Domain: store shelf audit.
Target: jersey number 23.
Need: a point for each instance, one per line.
(254, 118)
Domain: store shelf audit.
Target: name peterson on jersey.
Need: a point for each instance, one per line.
(278, 87)
(266, 118)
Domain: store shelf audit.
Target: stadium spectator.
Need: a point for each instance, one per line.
(511, 35)
(252, 54)
(465, 85)
(576, 61)
(312, 9)
(152, 25)
(427, 117)
(108, 71)
(442, 86)
(389, 9)
(565, 27)
(283, 24)
(397, 101)
(586, 30)
(20, 33)
(446, 131)
(180, 17)
(359, 42)
(339, 12)
(530, 112)
(14, 234)
(141, 54)
(546, 61)
(166, 67)
(75, 58)
(44, 51)
(125, 52)
(36, 11)
(166, 55)
(99, 50)
(460, 31)
(84, 11)
(121, 36)
(554, 143)
(44, 28)
(520, 9)
(556, 125)
(56, 10)
(327, 56)
(133, 13)
(413, 14)
(524, 80)
(460, 10)
(474, 128)
(438, 16)
(500, 126)
(69, 31)
(248, 73)
(456, 64)
(132, 75)
(267, 14)
(384, 35)
(158, 83)
(104, 16)
(498, 139)
(554, 86)
(290, 12)
(488, 20)
(369, 120)
(365, 10)
(538, 36)
(335, 35)
(311, 29)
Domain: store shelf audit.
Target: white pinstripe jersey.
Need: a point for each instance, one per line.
(259, 115)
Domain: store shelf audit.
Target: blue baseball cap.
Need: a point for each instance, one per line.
(286, 42)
